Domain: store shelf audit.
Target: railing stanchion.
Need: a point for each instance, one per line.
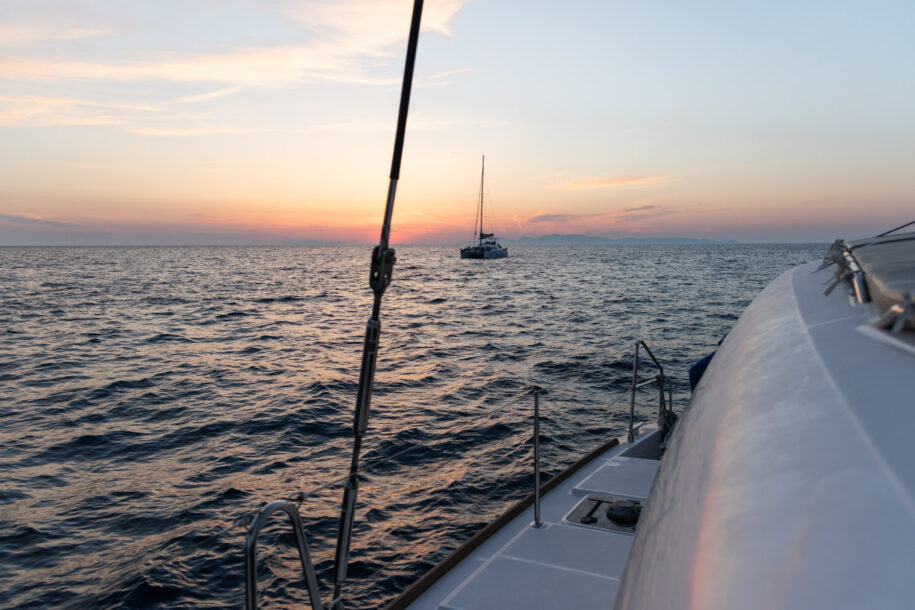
(635, 377)
(664, 406)
(537, 521)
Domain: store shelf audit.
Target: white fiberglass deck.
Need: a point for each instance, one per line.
(559, 565)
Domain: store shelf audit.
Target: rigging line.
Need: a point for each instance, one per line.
(911, 222)
(476, 215)
(492, 211)
(382, 266)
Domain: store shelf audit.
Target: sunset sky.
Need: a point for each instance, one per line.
(272, 121)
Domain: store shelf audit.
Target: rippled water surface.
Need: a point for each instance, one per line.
(151, 396)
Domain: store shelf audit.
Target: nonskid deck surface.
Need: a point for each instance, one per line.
(561, 564)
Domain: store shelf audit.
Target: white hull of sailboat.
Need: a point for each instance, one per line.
(476, 252)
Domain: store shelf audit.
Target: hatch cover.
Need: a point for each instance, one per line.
(603, 511)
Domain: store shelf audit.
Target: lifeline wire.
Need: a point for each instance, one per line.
(897, 228)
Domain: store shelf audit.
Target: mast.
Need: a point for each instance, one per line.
(482, 172)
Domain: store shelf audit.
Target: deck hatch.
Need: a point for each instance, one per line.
(609, 512)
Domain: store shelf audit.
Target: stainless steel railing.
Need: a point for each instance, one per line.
(308, 569)
(660, 380)
(290, 508)
(537, 521)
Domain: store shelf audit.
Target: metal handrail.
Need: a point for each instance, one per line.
(301, 541)
(642, 384)
(660, 380)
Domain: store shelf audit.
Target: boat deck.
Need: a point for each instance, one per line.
(788, 482)
(563, 563)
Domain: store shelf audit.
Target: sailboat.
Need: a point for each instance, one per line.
(486, 245)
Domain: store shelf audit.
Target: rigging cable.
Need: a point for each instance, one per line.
(382, 266)
(896, 229)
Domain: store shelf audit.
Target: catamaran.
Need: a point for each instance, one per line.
(486, 245)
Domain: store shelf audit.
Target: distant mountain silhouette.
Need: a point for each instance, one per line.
(556, 239)
(314, 242)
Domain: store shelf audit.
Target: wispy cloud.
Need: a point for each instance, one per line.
(448, 73)
(38, 110)
(433, 220)
(272, 66)
(339, 41)
(11, 33)
(145, 119)
(369, 24)
(200, 97)
(641, 212)
(566, 217)
(276, 66)
(417, 123)
(440, 79)
(344, 39)
(597, 182)
(201, 130)
(29, 220)
(653, 211)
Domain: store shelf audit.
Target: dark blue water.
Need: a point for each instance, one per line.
(149, 397)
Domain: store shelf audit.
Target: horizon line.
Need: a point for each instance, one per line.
(700, 242)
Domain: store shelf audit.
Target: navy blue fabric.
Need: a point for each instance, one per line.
(696, 371)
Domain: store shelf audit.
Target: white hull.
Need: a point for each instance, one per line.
(477, 252)
(790, 481)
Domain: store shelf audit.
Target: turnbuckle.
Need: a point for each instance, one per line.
(381, 270)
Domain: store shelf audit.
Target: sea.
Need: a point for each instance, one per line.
(152, 398)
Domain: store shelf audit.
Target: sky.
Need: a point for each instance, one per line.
(272, 121)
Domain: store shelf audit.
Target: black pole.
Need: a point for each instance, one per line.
(379, 277)
(405, 88)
